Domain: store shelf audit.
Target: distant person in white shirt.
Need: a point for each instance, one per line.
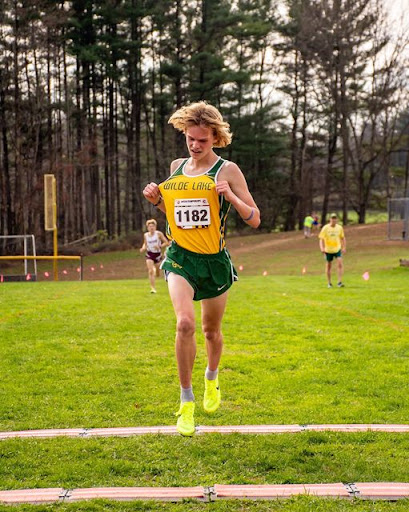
(153, 242)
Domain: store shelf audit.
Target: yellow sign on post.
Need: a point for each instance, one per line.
(50, 214)
(50, 202)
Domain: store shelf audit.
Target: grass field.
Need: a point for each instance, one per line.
(100, 354)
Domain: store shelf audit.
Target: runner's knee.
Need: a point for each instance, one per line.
(211, 335)
(185, 326)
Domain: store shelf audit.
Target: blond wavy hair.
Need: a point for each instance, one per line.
(151, 221)
(201, 113)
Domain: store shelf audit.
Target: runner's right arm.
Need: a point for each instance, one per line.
(152, 193)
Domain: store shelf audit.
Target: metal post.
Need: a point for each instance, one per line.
(55, 262)
(406, 220)
(33, 241)
(55, 237)
(25, 254)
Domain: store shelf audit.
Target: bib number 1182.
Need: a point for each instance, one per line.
(192, 213)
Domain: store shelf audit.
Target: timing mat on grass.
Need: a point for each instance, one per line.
(390, 491)
(221, 429)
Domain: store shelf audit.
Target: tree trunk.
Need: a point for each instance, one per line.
(332, 147)
(8, 227)
(290, 219)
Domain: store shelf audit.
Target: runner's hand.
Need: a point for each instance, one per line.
(151, 193)
(223, 188)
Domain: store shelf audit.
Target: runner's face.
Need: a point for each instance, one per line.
(199, 140)
(151, 228)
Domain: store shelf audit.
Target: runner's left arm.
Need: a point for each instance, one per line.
(163, 239)
(344, 244)
(234, 188)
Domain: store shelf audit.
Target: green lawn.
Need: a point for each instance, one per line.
(100, 354)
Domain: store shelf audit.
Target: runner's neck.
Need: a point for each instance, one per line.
(193, 168)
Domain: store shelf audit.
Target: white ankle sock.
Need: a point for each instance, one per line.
(186, 394)
(211, 374)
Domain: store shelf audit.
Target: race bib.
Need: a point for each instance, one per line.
(192, 213)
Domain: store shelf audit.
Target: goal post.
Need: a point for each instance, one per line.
(22, 242)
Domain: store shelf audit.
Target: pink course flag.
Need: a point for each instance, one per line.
(365, 276)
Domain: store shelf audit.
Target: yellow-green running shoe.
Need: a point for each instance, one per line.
(186, 422)
(212, 396)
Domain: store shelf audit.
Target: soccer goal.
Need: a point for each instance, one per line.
(398, 219)
(24, 245)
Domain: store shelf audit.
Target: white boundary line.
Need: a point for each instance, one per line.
(202, 429)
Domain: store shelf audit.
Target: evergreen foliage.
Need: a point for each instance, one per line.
(314, 95)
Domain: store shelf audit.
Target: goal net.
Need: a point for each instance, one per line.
(398, 219)
(18, 245)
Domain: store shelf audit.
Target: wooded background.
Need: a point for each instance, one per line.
(315, 91)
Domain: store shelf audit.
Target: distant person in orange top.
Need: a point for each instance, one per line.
(153, 242)
(333, 245)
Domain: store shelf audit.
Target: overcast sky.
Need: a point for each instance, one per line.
(398, 10)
